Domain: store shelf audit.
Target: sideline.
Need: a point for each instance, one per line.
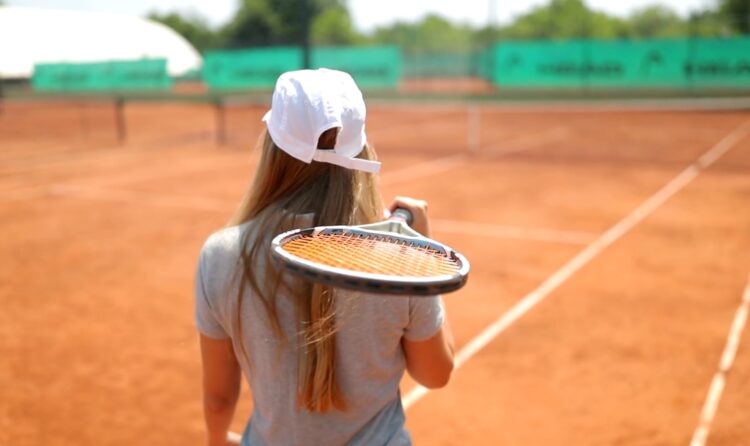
(589, 253)
(720, 377)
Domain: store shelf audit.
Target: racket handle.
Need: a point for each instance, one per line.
(403, 215)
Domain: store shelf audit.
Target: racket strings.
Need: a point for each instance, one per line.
(373, 254)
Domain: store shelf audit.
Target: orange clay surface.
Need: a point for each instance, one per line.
(100, 240)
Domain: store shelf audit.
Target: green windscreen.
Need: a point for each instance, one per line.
(539, 64)
(442, 65)
(252, 68)
(371, 67)
(719, 63)
(658, 63)
(119, 75)
(641, 64)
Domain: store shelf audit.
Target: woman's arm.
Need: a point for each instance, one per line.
(221, 387)
(430, 362)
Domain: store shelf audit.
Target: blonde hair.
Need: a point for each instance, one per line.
(285, 187)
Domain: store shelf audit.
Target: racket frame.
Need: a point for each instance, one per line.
(395, 228)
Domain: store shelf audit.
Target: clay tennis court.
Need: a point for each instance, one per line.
(610, 249)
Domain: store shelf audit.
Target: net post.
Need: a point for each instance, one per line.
(473, 128)
(120, 119)
(83, 121)
(2, 98)
(220, 114)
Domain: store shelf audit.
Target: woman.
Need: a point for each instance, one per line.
(323, 364)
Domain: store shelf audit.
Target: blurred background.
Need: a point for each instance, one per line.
(228, 54)
(461, 47)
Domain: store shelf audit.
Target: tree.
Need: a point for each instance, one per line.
(334, 27)
(564, 19)
(273, 22)
(656, 21)
(707, 23)
(737, 14)
(193, 28)
(434, 34)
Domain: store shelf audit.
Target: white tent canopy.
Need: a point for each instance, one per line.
(31, 35)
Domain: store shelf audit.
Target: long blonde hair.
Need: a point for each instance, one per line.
(284, 187)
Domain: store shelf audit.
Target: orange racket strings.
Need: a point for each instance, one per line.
(370, 254)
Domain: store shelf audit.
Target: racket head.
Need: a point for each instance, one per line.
(340, 266)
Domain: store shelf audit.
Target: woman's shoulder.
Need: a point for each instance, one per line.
(224, 244)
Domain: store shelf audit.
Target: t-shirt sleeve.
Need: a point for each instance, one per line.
(426, 315)
(207, 318)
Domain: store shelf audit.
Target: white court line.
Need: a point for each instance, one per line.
(423, 169)
(446, 163)
(212, 205)
(419, 170)
(527, 142)
(512, 232)
(148, 198)
(727, 359)
(622, 105)
(405, 174)
(588, 253)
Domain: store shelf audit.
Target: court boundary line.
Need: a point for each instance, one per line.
(603, 241)
(193, 203)
(716, 388)
(190, 203)
(563, 106)
(424, 169)
(450, 162)
(526, 142)
(421, 169)
(512, 232)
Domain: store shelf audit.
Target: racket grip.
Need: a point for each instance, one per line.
(402, 214)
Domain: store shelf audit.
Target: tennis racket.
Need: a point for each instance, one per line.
(387, 257)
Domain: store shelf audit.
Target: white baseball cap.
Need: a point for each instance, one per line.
(305, 104)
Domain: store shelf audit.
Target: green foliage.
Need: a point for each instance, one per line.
(564, 19)
(334, 26)
(433, 34)
(736, 14)
(708, 23)
(193, 28)
(280, 22)
(656, 22)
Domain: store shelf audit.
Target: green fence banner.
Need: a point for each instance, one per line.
(251, 68)
(606, 64)
(635, 64)
(442, 65)
(116, 75)
(371, 67)
(539, 64)
(719, 63)
(486, 63)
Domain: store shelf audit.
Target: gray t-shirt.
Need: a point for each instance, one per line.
(370, 360)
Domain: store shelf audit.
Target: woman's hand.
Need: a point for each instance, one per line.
(418, 209)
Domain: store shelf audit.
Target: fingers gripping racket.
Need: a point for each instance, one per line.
(387, 257)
